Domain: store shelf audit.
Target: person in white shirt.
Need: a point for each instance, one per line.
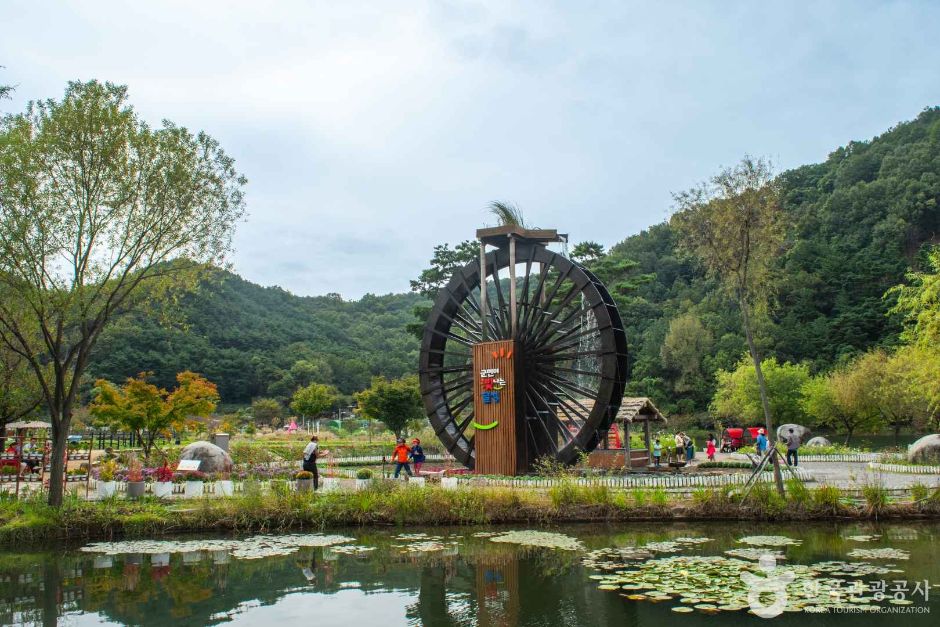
(311, 452)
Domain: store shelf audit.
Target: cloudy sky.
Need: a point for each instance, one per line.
(371, 131)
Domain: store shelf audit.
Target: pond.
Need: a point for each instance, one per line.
(582, 575)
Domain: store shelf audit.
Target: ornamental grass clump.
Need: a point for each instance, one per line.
(876, 498)
(827, 499)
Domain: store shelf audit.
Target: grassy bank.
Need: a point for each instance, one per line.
(31, 521)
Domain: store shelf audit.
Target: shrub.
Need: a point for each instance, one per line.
(107, 471)
(919, 492)
(659, 497)
(640, 497)
(768, 501)
(876, 498)
(363, 473)
(303, 475)
(196, 475)
(135, 471)
(798, 492)
(163, 474)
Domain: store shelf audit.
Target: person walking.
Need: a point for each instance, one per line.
(400, 457)
(793, 444)
(657, 452)
(761, 443)
(710, 447)
(417, 455)
(311, 452)
(689, 448)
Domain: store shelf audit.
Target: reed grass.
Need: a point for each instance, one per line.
(30, 520)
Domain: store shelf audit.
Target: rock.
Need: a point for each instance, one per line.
(212, 458)
(819, 441)
(784, 430)
(925, 450)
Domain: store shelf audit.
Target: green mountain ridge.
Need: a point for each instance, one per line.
(246, 338)
(861, 219)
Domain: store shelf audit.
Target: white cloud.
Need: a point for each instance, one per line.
(371, 131)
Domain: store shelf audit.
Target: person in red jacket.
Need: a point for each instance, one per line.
(400, 457)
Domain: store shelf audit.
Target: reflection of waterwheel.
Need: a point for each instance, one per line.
(568, 330)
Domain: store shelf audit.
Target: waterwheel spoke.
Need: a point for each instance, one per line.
(540, 416)
(531, 306)
(501, 300)
(475, 305)
(551, 323)
(545, 312)
(442, 370)
(552, 308)
(565, 384)
(571, 412)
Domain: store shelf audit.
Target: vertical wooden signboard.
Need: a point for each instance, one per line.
(495, 407)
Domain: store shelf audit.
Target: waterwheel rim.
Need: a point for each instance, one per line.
(573, 341)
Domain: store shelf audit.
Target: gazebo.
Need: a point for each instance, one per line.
(633, 412)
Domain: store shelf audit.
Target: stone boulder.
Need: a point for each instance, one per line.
(819, 441)
(925, 450)
(784, 430)
(212, 458)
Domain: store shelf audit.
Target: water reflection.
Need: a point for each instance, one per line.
(477, 583)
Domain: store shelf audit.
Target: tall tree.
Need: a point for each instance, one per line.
(147, 410)
(95, 204)
(919, 302)
(734, 225)
(314, 399)
(839, 400)
(266, 411)
(686, 344)
(444, 262)
(394, 403)
(738, 395)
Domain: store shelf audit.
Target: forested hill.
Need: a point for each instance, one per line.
(264, 341)
(861, 219)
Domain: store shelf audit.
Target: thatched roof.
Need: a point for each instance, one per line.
(632, 410)
(638, 409)
(29, 424)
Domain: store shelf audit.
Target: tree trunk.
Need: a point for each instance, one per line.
(848, 435)
(60, 438)
(762, 387)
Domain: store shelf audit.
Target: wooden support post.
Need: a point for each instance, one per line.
(483, 314)
(646, 436)
(513, 314)
(627, 465)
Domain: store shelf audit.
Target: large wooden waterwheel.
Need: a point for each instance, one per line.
(558, 324)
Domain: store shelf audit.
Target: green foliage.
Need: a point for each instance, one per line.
(314, 399)
(919, 303)
(143, 408)
(839, 400)
(395, 402)
(20, 394)
(857, 222)
(266, 411)
(737, 395)
(255, 341)
(94, 205)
